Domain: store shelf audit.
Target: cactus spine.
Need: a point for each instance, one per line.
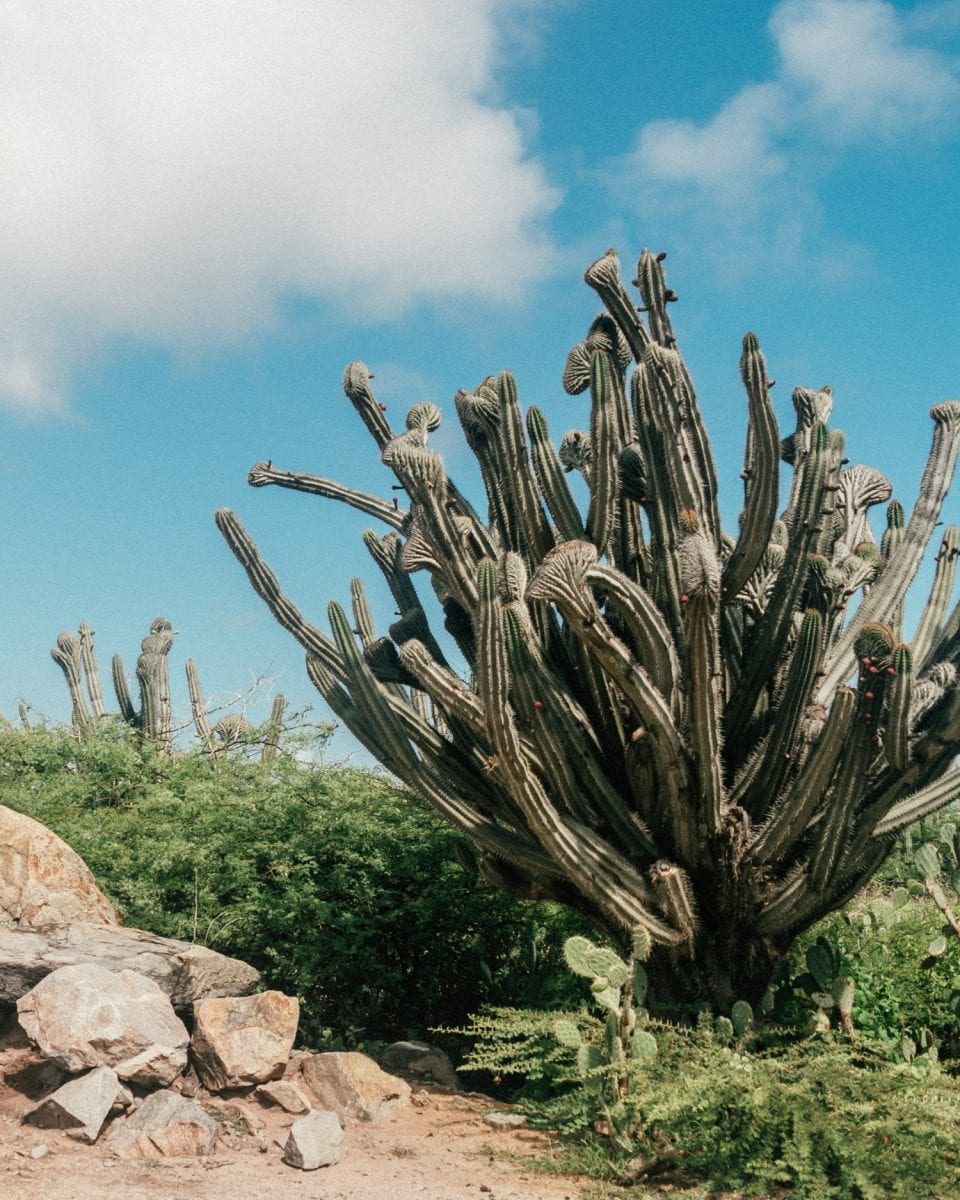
(656, 724)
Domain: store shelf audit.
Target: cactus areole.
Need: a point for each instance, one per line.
(712, 739)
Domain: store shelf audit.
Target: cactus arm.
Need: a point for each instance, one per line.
(367, 693)
(760, 472)
(773, 626)
(697, 456)
(586, 859)
(645, 623)
(421, 472)
(267, 587)
(896, 742)
(771, 766)
(153, 675)
(604, 277)
(604, 482)
(888, 592)
(263, 474)
(480, 414)
(560, 581)
(656, 295)
(356, 387)
(88, 658)
(788, 821)
(446, 688)
(700, 579)
(552, 480)
(361, 613)
(834, 834)
(559, 729)
(537, 539)
(385, 552)
(860, 489)
(920, 804)
(66, 654)
(656, 451)
(671, 886)
(932, 620)
(491, 422)
(198, 706)
(125, 704)
(271, 743)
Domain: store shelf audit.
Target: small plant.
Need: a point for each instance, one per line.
(828, 987)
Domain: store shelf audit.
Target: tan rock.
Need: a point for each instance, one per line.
(241, 1041)
(84, 1016)
(167, 1124)
(314, 1141)
(353, 1086)
(281, 1093)
(42, 881)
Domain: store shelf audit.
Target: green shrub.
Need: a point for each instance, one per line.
(824, 1116)
(338, 886)
(882, 946)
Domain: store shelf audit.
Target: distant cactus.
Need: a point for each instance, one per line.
(76, 657)
(711, 739)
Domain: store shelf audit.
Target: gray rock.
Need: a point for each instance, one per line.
(84, 1016)
(82, 1105)
(353, 1086)
(42, 881)
(281, 1093)
(419, 1058)
(186, 972)
(315, 1141)
(504, 1120)
(167, 1124)
(245, 1040)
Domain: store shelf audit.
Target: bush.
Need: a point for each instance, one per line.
(826, 1117)
(340, 887)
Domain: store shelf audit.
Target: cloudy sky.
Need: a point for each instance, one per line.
(207, 209)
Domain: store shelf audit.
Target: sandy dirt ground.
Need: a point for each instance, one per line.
(438, 1148)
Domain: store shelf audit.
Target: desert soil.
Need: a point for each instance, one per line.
(438, 1148)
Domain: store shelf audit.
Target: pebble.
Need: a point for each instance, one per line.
(504, 1120)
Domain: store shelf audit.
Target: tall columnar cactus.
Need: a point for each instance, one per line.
(76, 657)
(709, 738)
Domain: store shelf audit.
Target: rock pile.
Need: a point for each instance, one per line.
(105, 1053)
(123, 1070)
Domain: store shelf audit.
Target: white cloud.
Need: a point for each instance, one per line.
(859, 73)
(729, 155)
(850, 72)
(171, 170)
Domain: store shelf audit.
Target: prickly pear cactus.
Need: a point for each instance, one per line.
(710, 737)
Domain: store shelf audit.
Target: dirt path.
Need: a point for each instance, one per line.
(437, 1149)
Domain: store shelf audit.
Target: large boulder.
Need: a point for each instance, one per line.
(353, 1086)
(42, 881)
(85, 1016)
(242, 1041)
(164, 1124)
(186, 972)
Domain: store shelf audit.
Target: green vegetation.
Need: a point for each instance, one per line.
(340, 887)
(733, 1103)
(657, 724)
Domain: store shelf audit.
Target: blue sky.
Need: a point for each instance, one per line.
(208, 209)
